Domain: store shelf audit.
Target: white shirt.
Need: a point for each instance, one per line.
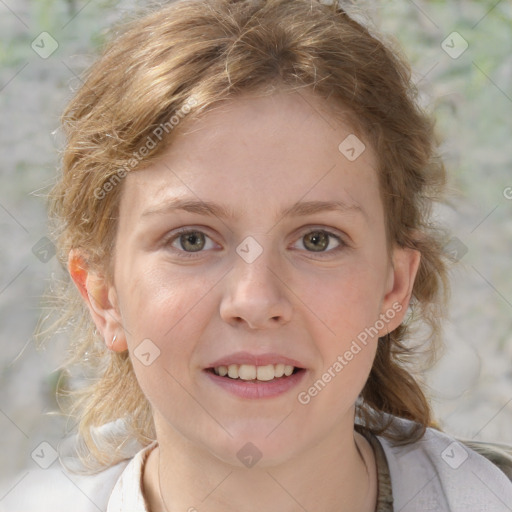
(437, 473)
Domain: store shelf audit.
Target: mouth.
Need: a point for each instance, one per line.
(250, 382)
(253, 373)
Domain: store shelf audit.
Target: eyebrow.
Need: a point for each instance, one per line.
(218, 210)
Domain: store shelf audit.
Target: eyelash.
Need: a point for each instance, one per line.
(196, 254)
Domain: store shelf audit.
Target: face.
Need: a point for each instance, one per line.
(255, 241)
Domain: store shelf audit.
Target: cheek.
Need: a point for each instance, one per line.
(347, 311)
(346, 301)
(347, 351)
(163, 318)
(154, 302)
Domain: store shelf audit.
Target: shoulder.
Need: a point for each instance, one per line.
(441, 473)
(58, 489)
(499, 454)
(64, 486)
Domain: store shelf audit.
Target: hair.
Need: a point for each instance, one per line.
(168, 67)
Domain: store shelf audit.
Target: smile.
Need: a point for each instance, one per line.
(253, 372)
(249, 381)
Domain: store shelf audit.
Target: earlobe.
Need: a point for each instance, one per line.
(100, 297)
(406, 263)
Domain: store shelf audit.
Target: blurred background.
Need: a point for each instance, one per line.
(461, 57)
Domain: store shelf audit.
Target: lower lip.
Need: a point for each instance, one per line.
(258, 389)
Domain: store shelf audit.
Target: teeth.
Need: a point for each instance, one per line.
(279, 370)
(247, 372)
(251, 372)
(265, 372)
(233, 371)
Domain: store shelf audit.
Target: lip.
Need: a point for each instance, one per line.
(257, 389)
(255, 359)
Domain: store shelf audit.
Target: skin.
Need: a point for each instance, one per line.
(257, 156)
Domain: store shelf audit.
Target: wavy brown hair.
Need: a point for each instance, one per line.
(211, 51)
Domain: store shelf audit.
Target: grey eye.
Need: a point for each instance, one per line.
(192, 241)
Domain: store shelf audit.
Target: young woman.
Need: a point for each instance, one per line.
(244, 214)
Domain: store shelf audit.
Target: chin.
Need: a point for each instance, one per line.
(260, 449)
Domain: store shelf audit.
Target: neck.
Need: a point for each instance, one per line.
(329, 477)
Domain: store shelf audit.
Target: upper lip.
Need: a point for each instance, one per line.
(255, 359)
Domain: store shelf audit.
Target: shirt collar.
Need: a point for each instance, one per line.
(127, 493)
(128, 490)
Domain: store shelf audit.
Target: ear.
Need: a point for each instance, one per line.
(403, 272)
(101, 299)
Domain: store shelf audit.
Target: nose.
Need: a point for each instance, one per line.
(256, 296)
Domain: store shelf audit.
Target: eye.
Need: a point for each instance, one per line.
(320, 240)
(186, 242)
(190, 241)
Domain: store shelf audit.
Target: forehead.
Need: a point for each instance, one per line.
(261, 149)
